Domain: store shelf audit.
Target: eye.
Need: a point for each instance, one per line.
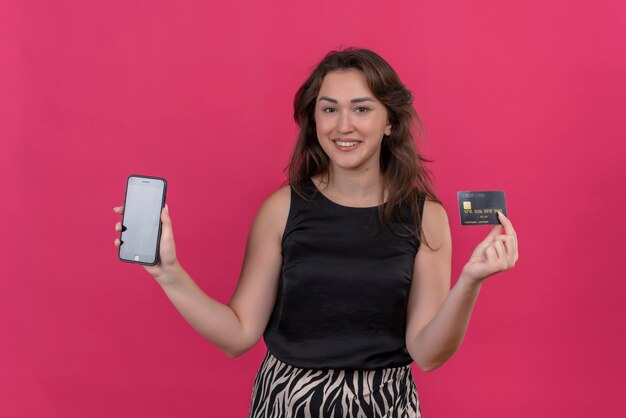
(328, 109)
(361, 109)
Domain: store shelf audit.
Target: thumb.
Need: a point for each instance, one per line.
(165, 218)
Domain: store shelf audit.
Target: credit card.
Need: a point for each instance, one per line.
(481, 207)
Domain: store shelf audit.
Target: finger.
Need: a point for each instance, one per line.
(492, 255)
(500, 250)
(509, 243)
(507, 239)
(167, 223)
(489, 238)
(507, 256)
(482, 246)
(508, 228)
(120, 227)
(118, 209)
(495, 231)
(506, 223)
(117, 242)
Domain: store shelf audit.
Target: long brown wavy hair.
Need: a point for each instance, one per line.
(402, 166)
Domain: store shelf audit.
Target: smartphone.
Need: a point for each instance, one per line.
(141, 222)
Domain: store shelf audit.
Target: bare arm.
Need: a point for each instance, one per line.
(215, 321)
(438, 317)
(236, 327)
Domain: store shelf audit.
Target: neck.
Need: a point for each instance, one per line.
(357, 187)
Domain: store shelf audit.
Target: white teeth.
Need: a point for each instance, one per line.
(346, 144)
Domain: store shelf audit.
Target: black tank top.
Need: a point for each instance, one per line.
(343, 291)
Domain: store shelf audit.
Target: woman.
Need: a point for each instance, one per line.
(334, 276)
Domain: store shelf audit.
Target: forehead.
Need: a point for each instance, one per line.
(345, 84)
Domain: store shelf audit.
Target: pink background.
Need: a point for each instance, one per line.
(524, 96)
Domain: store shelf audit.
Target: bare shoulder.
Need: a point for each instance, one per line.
(435, 224)
(275, 209)
(280, 197)
(278, 202)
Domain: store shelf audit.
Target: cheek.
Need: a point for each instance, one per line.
(323, 124)
(376, 126)
(367, 127)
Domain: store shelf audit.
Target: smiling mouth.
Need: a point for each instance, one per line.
(346, 145)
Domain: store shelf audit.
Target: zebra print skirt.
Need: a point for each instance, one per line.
(284, 391)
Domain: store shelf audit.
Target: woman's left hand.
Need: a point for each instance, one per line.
(496, 253)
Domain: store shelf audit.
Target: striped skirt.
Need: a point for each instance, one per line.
(284, 391)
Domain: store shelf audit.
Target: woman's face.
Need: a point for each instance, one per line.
(350, 121)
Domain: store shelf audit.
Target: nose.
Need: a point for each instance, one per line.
(345, 123)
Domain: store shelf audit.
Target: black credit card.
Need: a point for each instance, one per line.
(481, 207)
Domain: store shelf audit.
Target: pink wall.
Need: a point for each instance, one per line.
(525, 96)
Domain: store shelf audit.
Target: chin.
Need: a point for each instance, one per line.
(348, 165)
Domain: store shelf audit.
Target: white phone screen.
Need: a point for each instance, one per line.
(141, 224)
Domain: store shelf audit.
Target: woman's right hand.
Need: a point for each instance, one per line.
(167, 269)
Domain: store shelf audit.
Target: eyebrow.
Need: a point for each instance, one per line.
(357, 100)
